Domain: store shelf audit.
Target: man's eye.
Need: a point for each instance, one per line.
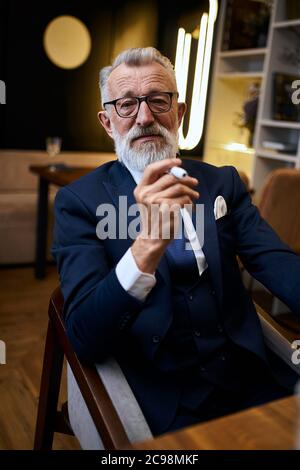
(127, 104)
(158, 100)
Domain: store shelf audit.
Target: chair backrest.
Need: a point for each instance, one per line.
(279, 205)
(245, 180)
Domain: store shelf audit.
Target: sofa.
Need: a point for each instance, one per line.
(18, 199)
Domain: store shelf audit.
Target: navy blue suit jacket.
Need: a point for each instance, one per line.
(102, 319)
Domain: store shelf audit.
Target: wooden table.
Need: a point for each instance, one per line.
(267, 427)
(59, 176)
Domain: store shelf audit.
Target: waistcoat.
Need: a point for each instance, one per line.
(196, 350)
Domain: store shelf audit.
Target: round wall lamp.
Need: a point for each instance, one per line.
(67, 42)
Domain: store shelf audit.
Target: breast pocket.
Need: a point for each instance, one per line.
(225, 233)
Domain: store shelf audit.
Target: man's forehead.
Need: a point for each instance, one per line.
(154, 75)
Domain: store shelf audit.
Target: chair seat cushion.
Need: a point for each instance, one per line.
(123, 400)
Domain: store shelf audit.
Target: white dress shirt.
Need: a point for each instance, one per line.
(139, 284)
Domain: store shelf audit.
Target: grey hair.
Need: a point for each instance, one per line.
(133, 57)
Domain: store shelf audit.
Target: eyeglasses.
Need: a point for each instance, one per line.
(129, 106)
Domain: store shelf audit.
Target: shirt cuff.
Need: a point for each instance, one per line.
(134, 281)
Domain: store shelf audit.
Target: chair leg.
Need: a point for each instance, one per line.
(62, 422)
(49, 391)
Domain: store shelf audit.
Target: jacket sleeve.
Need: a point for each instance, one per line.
(97, 308)
(263, 254)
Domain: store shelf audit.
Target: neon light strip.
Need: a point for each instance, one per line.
(200, 86)
(182, 62)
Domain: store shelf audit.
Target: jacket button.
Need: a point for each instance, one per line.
(213, 292)
(220, 329)
(191, 297)
(155, 339)
(197, 333)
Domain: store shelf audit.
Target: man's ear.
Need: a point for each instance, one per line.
(105, 121)
(181, 111)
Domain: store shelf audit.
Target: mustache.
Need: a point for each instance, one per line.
(137, 132)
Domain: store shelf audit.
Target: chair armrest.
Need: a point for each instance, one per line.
(124, 401)
(96, 397)
(278, 339)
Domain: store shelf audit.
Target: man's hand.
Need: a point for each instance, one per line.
(160, 197)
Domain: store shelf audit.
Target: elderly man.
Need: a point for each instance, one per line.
(179, 321)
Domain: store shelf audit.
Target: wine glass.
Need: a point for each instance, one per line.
(53, 147)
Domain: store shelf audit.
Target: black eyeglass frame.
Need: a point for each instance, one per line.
(140, 100)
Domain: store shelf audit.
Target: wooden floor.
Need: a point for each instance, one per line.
(23, 323)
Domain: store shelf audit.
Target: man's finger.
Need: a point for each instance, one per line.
(175, 192)
(167, 181)
(155, 170)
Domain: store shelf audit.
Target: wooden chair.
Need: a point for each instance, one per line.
(279, 204)
(93, 389)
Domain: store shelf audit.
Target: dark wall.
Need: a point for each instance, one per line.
(43, 99)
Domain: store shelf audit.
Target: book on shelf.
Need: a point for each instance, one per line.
(246, 24)
(285, 147)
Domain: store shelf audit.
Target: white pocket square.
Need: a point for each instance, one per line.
(220, 207)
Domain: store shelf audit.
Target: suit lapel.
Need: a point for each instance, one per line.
(120, 183)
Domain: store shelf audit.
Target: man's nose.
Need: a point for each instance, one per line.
(145, 116)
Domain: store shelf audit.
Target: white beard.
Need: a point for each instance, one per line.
(148, 152)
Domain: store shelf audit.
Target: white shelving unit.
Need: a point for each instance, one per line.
(284, 35)
(243, 53)
(240, 75)
(233, 72)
